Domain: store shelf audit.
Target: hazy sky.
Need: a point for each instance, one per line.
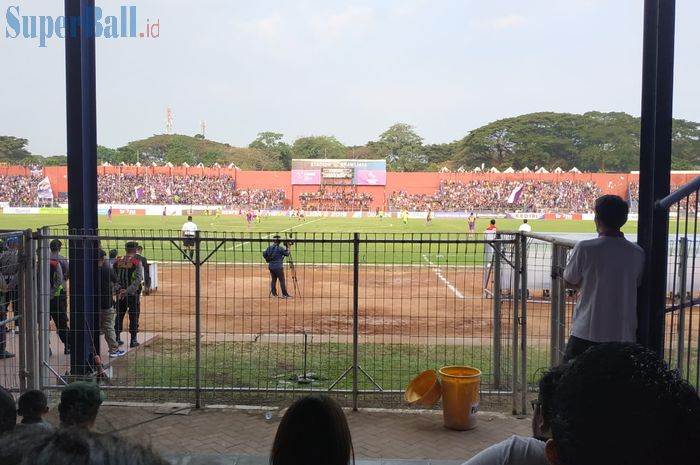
(343, 68)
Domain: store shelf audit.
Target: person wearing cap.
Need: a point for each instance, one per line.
(58, 305)
(108, 285)
(9, 282)
(129, 274)
(80, 402)
(274, 255)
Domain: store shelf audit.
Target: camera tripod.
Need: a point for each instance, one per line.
(293, 272)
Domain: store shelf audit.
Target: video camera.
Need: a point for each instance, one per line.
(288, 242)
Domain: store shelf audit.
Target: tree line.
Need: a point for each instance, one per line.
(593, 141)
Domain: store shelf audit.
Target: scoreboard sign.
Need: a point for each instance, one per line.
(362, 172)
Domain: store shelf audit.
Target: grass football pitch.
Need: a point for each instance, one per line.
(312, 235)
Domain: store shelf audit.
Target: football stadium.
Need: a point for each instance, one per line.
(492, 299)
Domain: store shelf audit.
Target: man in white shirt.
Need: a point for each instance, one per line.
(189, 231)
(525, 227)
(606, 271)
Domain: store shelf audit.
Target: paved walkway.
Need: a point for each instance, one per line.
(243, 436)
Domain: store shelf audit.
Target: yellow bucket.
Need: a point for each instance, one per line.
(460, 396)
(424, 389)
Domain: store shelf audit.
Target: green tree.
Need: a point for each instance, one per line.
(56, 160)
(402, 148)
(685, 145)
(106, 155)
(13, 149)
(272, 144)
(318, 147)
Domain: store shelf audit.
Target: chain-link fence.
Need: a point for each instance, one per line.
(368, 312)
(15, 310)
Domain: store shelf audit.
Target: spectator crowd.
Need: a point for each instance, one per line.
(535, 196)
(19, 191)
(184, 190)
(335, 200)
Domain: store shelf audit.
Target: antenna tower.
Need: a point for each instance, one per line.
(168, 121)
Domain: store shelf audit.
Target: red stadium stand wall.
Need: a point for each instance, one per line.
(413, 183)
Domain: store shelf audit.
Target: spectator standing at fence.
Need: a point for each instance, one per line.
(56, 286)
(618, 403)
(313, 431)
(274, 256)
(9, 282)
(189, 232)
(109, 284)
(525, 227)
(113, 256)
(59, 297)
(606, 271)
(129, 275)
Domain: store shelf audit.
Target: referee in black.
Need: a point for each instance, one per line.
(275, 254)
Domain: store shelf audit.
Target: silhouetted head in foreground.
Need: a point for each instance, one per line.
(618, 404)
(74, 447)
(80, 402)
(8, 408)
(314, 431)
(32, 405)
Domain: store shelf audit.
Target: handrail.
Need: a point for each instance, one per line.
(552, 239)
(675, 196)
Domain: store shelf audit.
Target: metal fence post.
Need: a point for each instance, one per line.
(355, 316)
(43, 305)
(30, 367)
(554, 307)
(516, 302)
(496, 314)
(561, 337)
(683, 276)
(198, 322)
(523, 325)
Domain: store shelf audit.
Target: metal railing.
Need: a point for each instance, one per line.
(370, 311)
(16, 312)
(683, 284)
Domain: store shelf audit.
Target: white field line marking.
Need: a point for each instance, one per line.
(284, 230)
(438, 272)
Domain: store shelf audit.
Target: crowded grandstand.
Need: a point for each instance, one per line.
(235, 190)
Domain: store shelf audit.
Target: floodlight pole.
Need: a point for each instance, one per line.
(81, 126)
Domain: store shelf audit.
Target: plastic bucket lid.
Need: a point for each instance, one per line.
(424, 389)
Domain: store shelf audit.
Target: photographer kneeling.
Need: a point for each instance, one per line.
(274, 256)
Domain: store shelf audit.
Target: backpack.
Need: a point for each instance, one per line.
(267, 254)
